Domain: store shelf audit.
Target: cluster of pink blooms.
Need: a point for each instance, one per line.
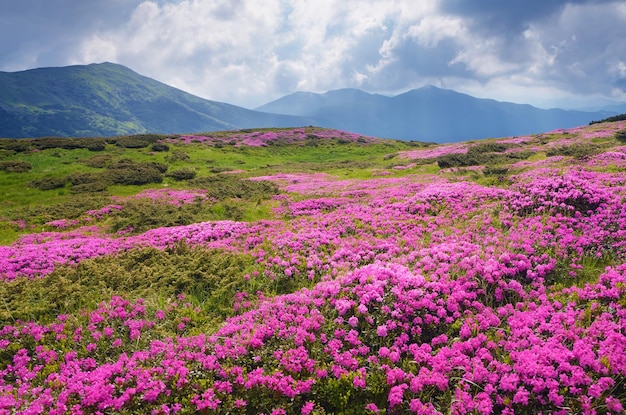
(434, 152)
(265, 138)
(426, 296)
(175, 197)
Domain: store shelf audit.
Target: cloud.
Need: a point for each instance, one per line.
(247, 53)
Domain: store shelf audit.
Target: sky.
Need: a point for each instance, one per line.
(548, 53)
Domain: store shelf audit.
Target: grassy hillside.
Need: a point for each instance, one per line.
(108, 100)
(313, 271)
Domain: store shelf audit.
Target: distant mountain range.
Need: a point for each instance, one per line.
(108, 99)
(426, 114)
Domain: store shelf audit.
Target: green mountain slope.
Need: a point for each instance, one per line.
(109, 99)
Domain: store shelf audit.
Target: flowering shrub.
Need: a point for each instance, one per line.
(426, 294)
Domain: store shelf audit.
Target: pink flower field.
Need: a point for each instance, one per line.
(412, 293)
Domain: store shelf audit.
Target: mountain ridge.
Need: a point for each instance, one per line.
(107, 99)
(428, 113)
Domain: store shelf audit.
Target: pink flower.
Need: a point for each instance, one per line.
(307, 408)
(372, 408)
(382, 330)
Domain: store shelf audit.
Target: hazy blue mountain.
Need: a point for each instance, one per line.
(426, 114)
(108, 99)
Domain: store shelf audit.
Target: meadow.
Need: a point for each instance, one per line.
(313, 271)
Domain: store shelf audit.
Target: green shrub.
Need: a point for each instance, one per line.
(140, 215)
(614, 118)
(185, 173)
(15, 144)
(138, 174)
(228, 187)
(578, 151)
(49, 183)
(86, 178)
(129, 172)
(476, 158)
(160, 147)
(136, 140)
(6, 154)
(15, 166)
(73, 208)
(206, 276)
(95, 187)
(621, 135)
(495, 170)
(99, 161)
(130, 142)
(96, 146)
(92, 144)
(487, 147)
(177, 156)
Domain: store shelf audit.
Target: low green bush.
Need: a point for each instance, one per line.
(474, 157)
(135, 175)
(614, 118)
(72, 208)
(160, 147)
(621, 135)
(95, 187)
(15, 166)
(186, 173)
(15, 144)
(495, 170)
(49, 183)
(140, 215)
(177, 156)
(86, 178)
(206, 276)
(99, 161)
(578, 151)
(228, 187)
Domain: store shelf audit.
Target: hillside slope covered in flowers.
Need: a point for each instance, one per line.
(476, 278)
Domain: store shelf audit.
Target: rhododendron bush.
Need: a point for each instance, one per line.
(419, 293)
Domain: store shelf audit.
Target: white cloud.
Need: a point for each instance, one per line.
(248, 52)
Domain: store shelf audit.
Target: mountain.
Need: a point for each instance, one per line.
(426, 114)
(108, 99)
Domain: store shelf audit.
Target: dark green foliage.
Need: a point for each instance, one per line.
(130, 142)
(186, 173)
(137, 174)
(95, 187)
(205, 276)
(177, 156)
(17, 145)
(487, 147)
(160, 147)
(621, 135)
(99, 161)
(578, 151)
(49, 183)
(73, 208)
(85, 178)
(495, 170)
(129, 172)
(227, 187)
(620, 117)
(93, 144)
(128, 163)
(475, 156)
(140, 215)
(96, 146)
(6, 154)
(136, 140)
(15, 166)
